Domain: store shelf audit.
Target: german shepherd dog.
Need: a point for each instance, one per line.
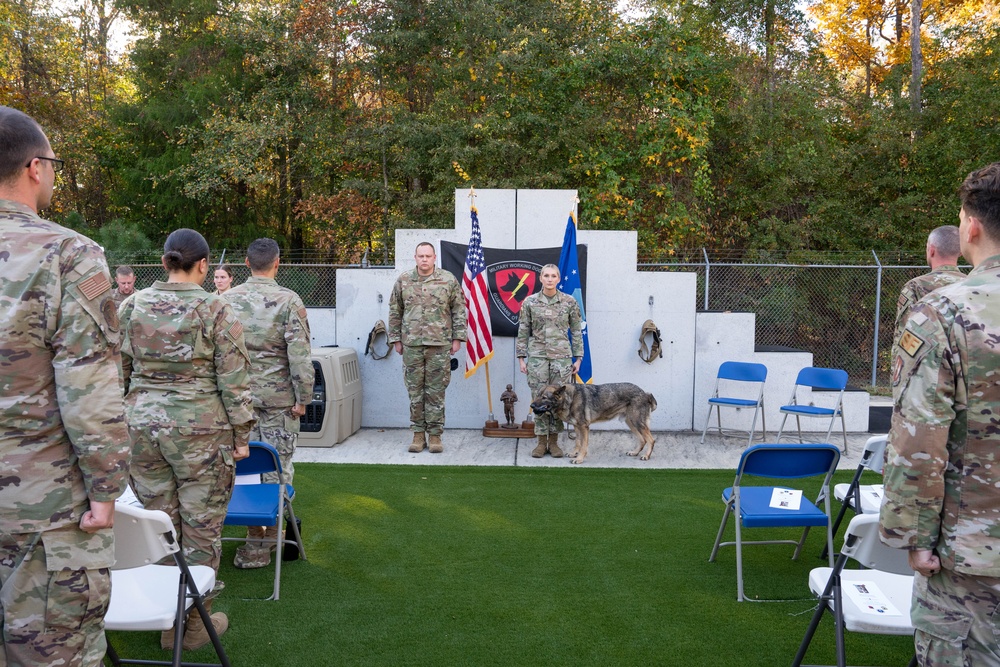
(583, 404)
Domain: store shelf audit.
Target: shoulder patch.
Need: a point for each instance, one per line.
(109, 309)
(910, 343)
(302, 312)
(235, 330)
(95, 286)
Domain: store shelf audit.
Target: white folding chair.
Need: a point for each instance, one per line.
(862, 498)
(147, 596)
(738, 372)
(826, 379)
(873, 601)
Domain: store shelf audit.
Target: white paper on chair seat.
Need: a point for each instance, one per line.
(786, 499)
(869, 599)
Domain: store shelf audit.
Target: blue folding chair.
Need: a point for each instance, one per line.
(826, 379)
(752, 504)
(738, 371)
(264, 504)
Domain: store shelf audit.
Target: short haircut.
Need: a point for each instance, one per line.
(21, 141)
(124, 271)
(980, 195)
(550, 266)
(262, 253)
(184, 248)
(945, 239)
(428, 244)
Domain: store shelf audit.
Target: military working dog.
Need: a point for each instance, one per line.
(583, 404)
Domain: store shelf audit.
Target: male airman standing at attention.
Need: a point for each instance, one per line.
(125, 281)
(64, 445)
(943, 250)
(942, 473)
(427, 324)
(276, 330)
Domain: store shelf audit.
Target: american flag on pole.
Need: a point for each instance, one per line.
(479, 343)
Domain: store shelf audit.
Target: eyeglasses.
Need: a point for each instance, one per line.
(57, 164)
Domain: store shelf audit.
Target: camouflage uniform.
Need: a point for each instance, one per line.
(916, 289)
(188, 406)
(276, 330)
(119, 297)
(426, 313)
(541, 337)
(63, 440)
(942, 481)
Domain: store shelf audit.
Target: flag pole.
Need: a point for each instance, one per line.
(489, 389)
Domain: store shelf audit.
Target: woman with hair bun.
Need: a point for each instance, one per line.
(188, 406)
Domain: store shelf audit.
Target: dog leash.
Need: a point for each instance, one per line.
(373, 335)
(649, 354)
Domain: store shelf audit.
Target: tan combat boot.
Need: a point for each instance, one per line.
(418, 442)
(254, 553)
(434, 444)
(554, 446)
(196, 635)
(539, 451)
(167, 639)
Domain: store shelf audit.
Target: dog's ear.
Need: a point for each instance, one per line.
(560, 390)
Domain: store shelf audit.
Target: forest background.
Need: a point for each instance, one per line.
(755, 126)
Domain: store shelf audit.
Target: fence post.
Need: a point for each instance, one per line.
(878, 312)
(708, 269)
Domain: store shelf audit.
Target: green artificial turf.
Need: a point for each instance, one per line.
(515, 566)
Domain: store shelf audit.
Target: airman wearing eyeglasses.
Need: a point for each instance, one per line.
(64, 447)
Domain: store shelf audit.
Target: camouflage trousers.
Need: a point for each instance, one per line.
(189, 476)
(957, 620)
(49, 617)
(426, 374)
(541, 373)
(278, 428)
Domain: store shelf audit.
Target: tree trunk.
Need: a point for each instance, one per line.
(769, 56)
(916, 61)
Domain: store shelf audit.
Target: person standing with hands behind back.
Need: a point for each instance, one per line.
(188, 405)
(427, 324)
(64, 451)
(544, 351)
(276, 329)
(942, 474)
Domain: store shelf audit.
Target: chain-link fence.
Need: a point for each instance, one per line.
(315, 283)
(839, 306)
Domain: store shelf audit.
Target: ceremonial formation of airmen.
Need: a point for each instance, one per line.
(178, 380)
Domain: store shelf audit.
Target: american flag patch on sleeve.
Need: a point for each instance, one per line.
(235, 330)
(95, 286)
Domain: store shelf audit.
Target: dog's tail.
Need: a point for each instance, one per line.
(652, 402)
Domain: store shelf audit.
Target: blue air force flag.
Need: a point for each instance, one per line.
(569, 271)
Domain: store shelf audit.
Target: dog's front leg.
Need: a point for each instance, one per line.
(582, 441)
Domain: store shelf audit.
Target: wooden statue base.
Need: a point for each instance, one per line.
(522, 430)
